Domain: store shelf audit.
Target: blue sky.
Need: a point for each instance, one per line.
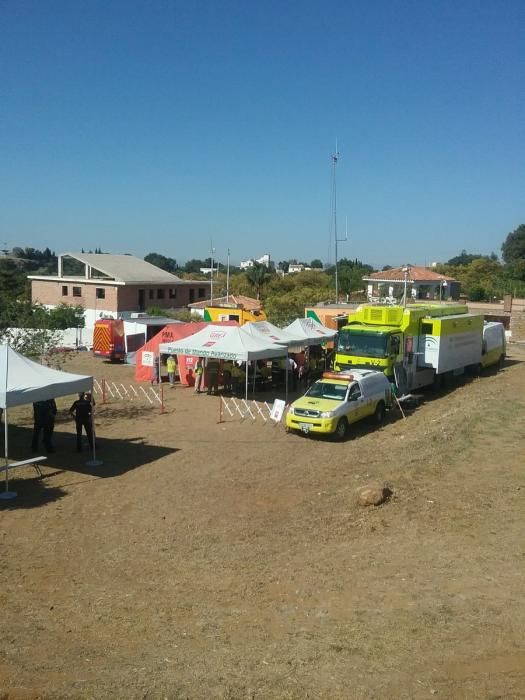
(159, 126)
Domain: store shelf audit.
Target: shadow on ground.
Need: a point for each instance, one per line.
(117, 456)
(31, 493)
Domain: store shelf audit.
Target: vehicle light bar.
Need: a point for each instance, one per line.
(338, 375)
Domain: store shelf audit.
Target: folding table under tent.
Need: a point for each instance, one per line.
(308, 331)
(225, 343)
(23, 381)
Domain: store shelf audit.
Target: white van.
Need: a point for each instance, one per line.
(494, 345)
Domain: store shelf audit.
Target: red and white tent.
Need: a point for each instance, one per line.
(149, 353)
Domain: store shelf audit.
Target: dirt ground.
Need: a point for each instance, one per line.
(207, 560)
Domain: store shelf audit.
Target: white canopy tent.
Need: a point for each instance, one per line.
(308, 331)
(23, 381)
(267, 331)
(225, 343)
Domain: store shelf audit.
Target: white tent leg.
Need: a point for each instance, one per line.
(93, 462)
(7, 494)
(286, 380)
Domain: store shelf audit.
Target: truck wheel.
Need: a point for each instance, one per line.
(341, 430)
(501, 363)
(379, 413)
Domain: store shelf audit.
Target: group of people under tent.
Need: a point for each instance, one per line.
(211, 375)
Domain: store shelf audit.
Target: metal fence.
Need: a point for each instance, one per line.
(116, 391)
(236, 409)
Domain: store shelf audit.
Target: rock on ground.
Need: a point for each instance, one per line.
(373, 494)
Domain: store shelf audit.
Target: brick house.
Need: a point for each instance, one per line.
(114, 285)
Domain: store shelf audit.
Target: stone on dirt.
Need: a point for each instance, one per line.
(373, 494)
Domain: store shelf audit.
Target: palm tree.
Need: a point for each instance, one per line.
(257, 276)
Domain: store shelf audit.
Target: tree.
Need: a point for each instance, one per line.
(465, 258)
(194, 265)
(284, 265)
(257, 276)
(513, 248)
(168, 264)
(316, 264)
(64, 316)
(12, 281)
(477, 293)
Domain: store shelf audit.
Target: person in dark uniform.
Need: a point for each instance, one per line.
(44, 413)
(81, 410)
(212, 375)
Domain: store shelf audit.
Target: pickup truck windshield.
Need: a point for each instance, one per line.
(362, 344)
(326, 390)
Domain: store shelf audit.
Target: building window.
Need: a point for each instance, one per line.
(173, 293)
(64, 290)
(201, 292)
(77, 291)
(160, 293)
(100, 293)
(151, 293)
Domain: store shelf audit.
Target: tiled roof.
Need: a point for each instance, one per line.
(415, 274)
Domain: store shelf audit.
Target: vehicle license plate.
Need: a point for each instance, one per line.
(305, 427)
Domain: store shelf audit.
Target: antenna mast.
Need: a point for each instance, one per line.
(335, 158)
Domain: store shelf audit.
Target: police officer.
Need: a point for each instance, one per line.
(44, 413)
(81, 410)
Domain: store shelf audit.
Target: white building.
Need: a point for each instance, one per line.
(263, 260)
(298, 267)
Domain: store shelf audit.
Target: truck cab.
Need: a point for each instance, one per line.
(339, 399)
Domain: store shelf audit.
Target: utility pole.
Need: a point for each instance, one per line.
(212, 251)
(228, 279)
(406, 272)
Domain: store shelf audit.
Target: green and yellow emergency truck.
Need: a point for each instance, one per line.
(414, 346)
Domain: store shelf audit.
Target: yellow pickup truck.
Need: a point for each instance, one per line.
(338, 399)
